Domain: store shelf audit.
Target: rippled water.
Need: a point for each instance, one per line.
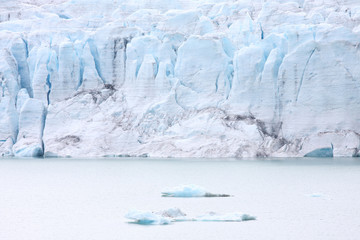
(47, 199)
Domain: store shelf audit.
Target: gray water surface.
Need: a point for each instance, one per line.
(83, 199)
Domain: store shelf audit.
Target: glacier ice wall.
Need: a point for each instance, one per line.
(179, 78)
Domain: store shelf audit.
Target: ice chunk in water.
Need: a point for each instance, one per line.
(228, 217)
(147, 218)
(176, 215)
(157, 218)
(185, 191)
(190, 191)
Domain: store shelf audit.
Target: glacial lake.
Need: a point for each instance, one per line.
(84, 199)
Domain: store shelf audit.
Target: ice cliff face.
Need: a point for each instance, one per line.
(180, 78)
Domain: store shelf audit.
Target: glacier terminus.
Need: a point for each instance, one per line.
(177, 78)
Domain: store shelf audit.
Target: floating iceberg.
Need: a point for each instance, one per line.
(316, 195)
(228, 217)
(147, 218)
(319, 195)
(176, 215)
(156, 218)
(190, 191)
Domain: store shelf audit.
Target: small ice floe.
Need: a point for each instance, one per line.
(176, 215)
(156, 218)
(228, 217)
(190, 191)
(147, 218)
(316, 195)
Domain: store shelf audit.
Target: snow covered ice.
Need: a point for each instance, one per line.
(190, 190)
(180, 78)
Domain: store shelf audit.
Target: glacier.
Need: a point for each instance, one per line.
(180, 78)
